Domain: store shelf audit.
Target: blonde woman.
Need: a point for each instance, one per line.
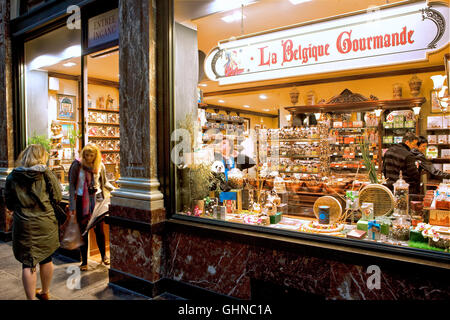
(88, 184)
(30, 189)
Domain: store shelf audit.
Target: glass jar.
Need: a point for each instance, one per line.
(401, 196)
(400, 228)
(235, 179)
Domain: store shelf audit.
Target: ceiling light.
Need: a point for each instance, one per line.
(227, 5)
(221, 101)
(263, 96)
(236, 16)
(295, 2)
(246, 106)
(203, 85)
(69, 64)
(266, 110)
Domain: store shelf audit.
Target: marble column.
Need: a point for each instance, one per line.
(138, 197)
(6, 115)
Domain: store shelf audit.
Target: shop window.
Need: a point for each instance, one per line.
(246, 153)
(52, 97)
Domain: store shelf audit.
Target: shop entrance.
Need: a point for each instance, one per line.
(101, 111)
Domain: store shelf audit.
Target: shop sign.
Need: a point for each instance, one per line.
(388, 36)
(103, 28)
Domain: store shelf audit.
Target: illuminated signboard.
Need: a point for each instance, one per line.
(385, 36)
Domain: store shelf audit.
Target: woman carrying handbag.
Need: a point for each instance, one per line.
(30, 190)
(87, 185)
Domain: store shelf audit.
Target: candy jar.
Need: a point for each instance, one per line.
(235, 179)
(400, 228)
(401, 196)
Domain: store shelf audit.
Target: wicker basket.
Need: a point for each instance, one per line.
(381, 197)
(334, 204)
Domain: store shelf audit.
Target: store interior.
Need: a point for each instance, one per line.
(317, 140)
(55, 111)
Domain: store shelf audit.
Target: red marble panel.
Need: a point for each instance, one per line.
(135, 252)
(151, 217)
(350, 282)
(6, 217)
(305, 273)
(219, 266)
(227, 267)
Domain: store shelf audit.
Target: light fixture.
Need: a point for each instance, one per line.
(288, 117)
(236, 16)
(263, 96)
(266, 110)
(203, 85)
(416, 110)
(378, 112)
(441, 91)
(246, 106)
(221, 101)
(69, 64)
(295, 2)
(317, 115)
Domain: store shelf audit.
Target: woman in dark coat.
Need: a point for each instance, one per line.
(30, 189)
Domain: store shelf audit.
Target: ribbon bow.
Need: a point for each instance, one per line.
(372, 224)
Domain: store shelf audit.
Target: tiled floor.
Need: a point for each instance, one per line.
(93, 283)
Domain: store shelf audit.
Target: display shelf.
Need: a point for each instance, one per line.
(99, 137)
(103, 124)
(297, 156)
(439, 129)
(440, 159)
(295, 140)
(104, 110)
(110, 150)
(299, 172)
(225, 120)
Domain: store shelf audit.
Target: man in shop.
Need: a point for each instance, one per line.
(232, 159)
(398, 158)
(424, 163)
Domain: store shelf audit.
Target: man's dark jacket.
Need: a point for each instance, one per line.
(400, 158)
(425, 164)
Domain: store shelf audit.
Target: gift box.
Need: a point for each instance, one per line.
(442, 139)
(276, 218)
(432, 139)
(417, 236)
(356, 234)
(362, 225)
(384, 226)
(439, 218)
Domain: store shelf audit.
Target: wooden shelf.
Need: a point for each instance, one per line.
(298, 157)
(110, 150)
(104, 124)
(295, 140)
(98, 137)
(441, 129)
(439, 144)
(409, 128)
(358, 106)
(440, 159)
(103, 110)
(225, 120)
(299, 172)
